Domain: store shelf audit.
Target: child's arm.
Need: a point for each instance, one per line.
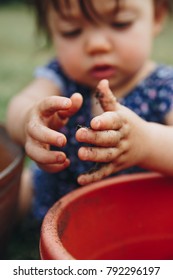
(34, 116)
(122, 139)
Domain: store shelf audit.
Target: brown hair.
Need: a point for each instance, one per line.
(41, 7)
(168, 4)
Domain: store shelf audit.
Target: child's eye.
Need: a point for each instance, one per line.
(72, 33)
(121, 25)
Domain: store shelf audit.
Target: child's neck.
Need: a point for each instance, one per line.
(142, 74)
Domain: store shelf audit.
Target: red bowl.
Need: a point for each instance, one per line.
(11, 166)
(123, 218)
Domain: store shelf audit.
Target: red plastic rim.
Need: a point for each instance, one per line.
(68, 229)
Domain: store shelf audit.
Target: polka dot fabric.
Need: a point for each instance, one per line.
(151, 99)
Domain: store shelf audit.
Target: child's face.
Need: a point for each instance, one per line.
(115, 48)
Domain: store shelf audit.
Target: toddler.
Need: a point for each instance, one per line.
(102, 107)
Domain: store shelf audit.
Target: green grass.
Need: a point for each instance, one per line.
(163, 46)
(20, 52)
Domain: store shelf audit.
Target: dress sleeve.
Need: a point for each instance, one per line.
(52, 72)
(163, 102)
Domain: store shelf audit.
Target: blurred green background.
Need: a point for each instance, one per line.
(21, 51)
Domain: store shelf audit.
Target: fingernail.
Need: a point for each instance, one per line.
(84, 134)
(85, 155)
(60, 158)
(81, 180)
(97, 124)
(60, 141)
(66, 102)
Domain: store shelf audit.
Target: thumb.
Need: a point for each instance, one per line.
(105, 96)
(77, 101)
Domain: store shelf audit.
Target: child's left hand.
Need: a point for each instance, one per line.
(117, 134)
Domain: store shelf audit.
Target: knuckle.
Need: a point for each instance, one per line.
(32, 126)
(125, 130)
(28, 149)
(122, 159)
(118, 136)
(92, 152)
(117, 120)
(110, 155)
(111, 138)
(123, 146)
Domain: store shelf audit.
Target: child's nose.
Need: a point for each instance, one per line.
(98, 42)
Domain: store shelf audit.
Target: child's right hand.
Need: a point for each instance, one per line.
(115, 138)
(41, 126)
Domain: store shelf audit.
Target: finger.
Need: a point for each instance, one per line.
(107, 120)
(53, 168)
(90, 177)
(106, 138)
(96, 154)
(46, 135)
(77, 101)
(105, 96)
(52, 104)
(40, 154)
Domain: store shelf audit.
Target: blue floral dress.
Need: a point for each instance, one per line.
(151, 99)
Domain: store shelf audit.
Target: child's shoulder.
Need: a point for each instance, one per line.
(54, 72)
(159, 80)
(162, 75)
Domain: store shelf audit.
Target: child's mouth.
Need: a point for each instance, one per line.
(102, 71)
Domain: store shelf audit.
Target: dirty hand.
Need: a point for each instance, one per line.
(42, 122)
(116, 137)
